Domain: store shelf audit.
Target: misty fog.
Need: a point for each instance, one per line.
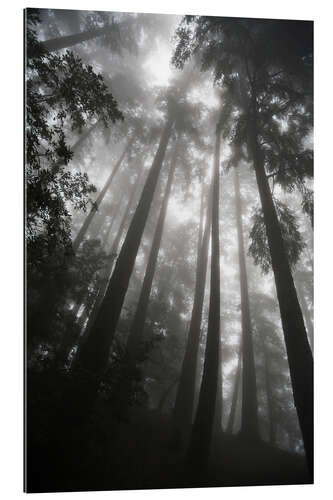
(169, 251)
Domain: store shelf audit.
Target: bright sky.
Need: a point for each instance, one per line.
(159, 65)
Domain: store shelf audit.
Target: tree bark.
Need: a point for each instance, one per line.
(200, 443)
(82, 232)
(297, 345)
(184, 404)
(94, 354)
(249, 423)
(232, 414)
(64, 42)
(138, 323)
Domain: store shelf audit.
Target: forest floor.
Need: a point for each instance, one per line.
(136, 454)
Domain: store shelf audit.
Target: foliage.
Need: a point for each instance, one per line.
(292, 238)
(54, 283)
(255, 64)
(61, 93)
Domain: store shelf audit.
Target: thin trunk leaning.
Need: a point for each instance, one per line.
(63, 42)
(82, 232)
(94, 354)
(106, 274)
(137, 328)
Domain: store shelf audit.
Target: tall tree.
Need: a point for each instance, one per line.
(64, 42)
(219, 392)
(95, 351)
(199, 447)
(115, 32)
(297, 345)
(106, 272)
(136, 331)
(249, 425)
(237, 383)
(84, 228)
(277, 74)
(269, 394)
(184, 403)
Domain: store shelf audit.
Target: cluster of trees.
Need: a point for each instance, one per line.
(169, 240)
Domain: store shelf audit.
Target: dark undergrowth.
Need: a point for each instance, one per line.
(118, 449)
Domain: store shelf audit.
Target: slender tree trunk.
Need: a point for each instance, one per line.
(270, 396)
(105, 277)
(84, 136)
(110, 226)
(64, 42)
(94, 354)
(231, 421)
(90, 312)
(200, 443)
(67, 341)
(138, 323)
(249, 425)
(82, 232)
(219, 393)
(81, 300)
(166, 394)
(95, 229)
(184, 404)
(297, 345)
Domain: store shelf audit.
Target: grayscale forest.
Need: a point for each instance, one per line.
(168, 251)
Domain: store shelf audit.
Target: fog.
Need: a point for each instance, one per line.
(169, 251)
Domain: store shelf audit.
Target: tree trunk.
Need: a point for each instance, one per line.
(270, 396)
(231, 420)
(138, 323)
(109, 228)
(249, 425)
(64, 42)
(94, 354)
(67, 342)
(297, 345)
(106, 273)
(200, 443)
(84, 136)
(219, 393)
(184, 404)
(305, 310)
(166, 394)
(82, 232)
